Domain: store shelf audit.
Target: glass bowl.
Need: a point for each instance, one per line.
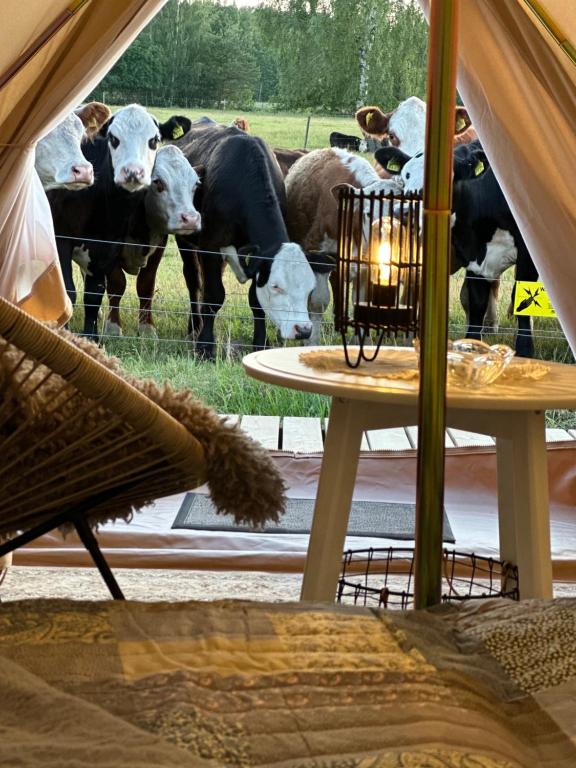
(473, 363)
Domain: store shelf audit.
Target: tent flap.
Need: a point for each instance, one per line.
(44, 89)
(519, 86)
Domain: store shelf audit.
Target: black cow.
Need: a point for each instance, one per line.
(98, 221)
(242, 202)
(343, 141)
(355, 143)
(486, 240)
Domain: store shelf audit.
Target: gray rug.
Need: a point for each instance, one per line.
(378, 519)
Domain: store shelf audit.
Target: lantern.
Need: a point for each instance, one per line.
(379, 270)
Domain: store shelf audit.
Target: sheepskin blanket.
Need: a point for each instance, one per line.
(242, 478)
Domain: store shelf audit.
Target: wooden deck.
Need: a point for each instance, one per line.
(297, 434)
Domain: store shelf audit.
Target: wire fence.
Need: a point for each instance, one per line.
(170, 312)
(167, 353)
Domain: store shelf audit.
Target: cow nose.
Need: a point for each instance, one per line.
(132, 173)
(83, 174)
(303, 331)
(191, 219)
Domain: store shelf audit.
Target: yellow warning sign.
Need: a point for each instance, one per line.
(532, 299)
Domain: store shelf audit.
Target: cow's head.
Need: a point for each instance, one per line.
(170, 199)
(409, 170)
(94, 115)
(470, 162)
(133, 136)
(59, 160)
(284, 282)
(405, 126)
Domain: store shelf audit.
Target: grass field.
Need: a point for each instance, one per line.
(280, 129)
(223, 384)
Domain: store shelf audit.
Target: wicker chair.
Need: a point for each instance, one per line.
(61, 466)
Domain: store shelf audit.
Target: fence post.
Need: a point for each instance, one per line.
(307, 129)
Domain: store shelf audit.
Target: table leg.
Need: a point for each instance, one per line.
(333, 502)
(523, 502)
(506, 500)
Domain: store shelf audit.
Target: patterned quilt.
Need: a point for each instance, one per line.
(484, 685)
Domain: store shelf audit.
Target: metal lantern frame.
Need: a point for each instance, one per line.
(379, 269)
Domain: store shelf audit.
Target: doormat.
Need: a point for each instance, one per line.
(377, 519)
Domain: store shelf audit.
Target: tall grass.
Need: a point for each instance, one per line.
(223, 383)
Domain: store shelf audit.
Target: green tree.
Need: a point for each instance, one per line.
(321, 55)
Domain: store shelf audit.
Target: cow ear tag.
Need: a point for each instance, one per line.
(369, 116)
(177, 131)
(393, 166)
(479, 168)
(460, 123)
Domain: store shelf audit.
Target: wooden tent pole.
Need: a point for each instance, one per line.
(553, 28)
(440, 119)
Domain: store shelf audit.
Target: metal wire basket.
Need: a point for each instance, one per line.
(384, 578)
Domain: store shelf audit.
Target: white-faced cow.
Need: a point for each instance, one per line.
(59, 160)
(405, 126)
(99, 219)
(242, 204)
(486, 240)
(312, 188)
(167, 209)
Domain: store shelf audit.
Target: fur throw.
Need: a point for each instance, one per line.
(242, 478)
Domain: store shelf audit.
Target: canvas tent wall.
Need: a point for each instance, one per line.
(40, 82)
(519, 86)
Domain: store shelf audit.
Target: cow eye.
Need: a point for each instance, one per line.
(114, 141)
(153, 143)
(159, 185)
(276, 288)
(407, 175)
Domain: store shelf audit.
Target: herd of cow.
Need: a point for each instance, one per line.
(119, 184)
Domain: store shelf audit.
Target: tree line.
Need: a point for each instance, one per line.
(317, 55)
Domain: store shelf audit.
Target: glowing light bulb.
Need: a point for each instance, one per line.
(384, 264)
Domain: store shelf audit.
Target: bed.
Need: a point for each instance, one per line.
(486, 684)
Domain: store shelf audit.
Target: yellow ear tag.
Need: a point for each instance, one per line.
(369, 116)
(460, 124)
(479, 168)
(393, 166)
(177, 131)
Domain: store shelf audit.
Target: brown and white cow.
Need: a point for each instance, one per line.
(405, 126)
(405, 129)
(59, 160)
(312, 187)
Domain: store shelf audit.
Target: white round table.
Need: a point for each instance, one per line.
(511, 411)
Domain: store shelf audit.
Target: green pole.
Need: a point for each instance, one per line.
(440, 120)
